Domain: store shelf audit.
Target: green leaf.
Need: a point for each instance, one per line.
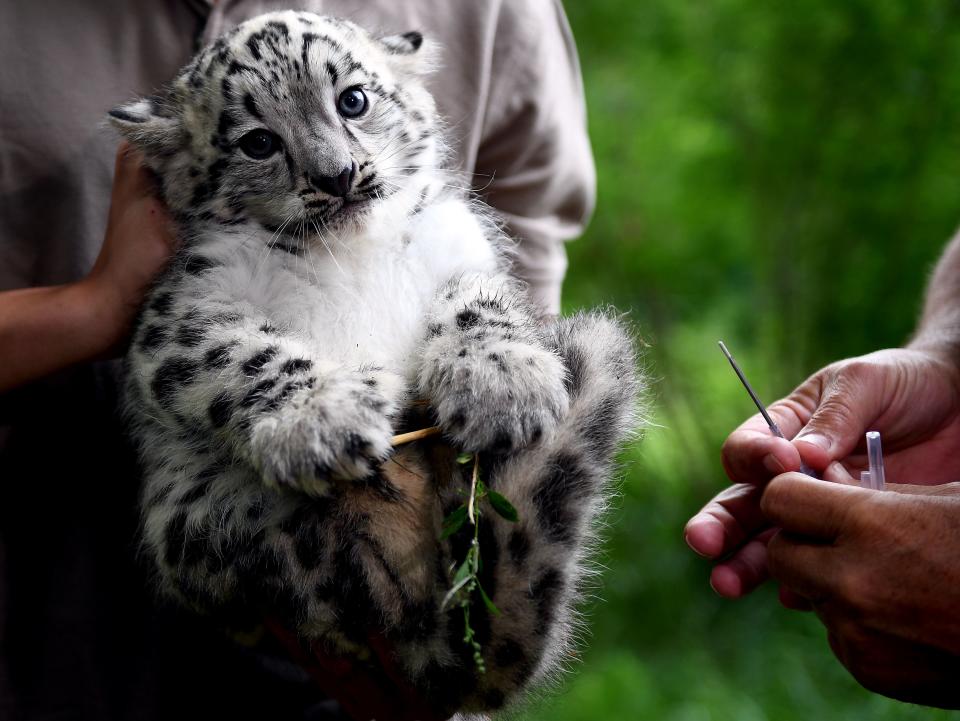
(459, 581)
(463, 573)
(454, 522)
(491, 607)
(502, 506)
(465, 458)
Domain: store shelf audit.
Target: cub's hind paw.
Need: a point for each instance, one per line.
(500, 397)
(339, 430)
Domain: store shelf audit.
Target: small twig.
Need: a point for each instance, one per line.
(402, 438)
(473, 488)
(466, 578)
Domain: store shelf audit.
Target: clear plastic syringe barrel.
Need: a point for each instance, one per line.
(875, 458)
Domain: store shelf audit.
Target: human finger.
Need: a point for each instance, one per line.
(132, 178)
(136, 199)
(801, 566)
(808, 507)
(848, 397)
(836, 472)
(127, 156)
(726, 522)
(745, 570)
(752, 454)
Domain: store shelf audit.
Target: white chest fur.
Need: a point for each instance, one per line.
(363, 298)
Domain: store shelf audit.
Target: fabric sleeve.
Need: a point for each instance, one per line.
(534, 163)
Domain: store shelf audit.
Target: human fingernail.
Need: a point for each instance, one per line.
(773, 464)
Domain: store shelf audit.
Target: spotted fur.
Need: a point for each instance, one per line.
(318, 290)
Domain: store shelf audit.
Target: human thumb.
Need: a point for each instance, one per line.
(837, 424)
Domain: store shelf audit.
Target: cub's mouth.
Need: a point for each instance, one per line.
(335, 210)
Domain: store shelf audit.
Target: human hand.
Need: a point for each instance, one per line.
(911, 396)
(364, 691)
(881, 570)
(137, 245)
(46, 329)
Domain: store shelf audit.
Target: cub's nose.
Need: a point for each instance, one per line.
(336, 185)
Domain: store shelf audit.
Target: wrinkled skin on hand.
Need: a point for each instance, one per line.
(881, 571)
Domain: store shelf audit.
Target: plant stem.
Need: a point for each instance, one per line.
(402, 438)
(473, 490)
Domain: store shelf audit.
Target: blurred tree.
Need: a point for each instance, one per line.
(781, 175)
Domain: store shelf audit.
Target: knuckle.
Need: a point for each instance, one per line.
(856, 375)
(869, 517)
(863, 519)
(852, 588)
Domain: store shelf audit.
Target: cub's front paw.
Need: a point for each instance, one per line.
(498, 397)
(338, 430)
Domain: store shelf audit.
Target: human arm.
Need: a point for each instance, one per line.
(909, 394)
(881, 572)
(43, 330)
(939, 327)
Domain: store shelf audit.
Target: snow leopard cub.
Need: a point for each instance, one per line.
(329, 276)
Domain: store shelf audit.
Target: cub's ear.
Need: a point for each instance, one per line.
(410, 52)
(404, 44)
(149, 124)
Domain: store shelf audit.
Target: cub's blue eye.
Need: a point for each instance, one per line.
(352, 102)
(259, 144)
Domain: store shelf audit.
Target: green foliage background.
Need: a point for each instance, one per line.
(781, 175)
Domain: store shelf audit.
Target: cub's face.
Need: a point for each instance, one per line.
(297, 122)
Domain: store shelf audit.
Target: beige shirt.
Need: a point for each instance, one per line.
(509, 88)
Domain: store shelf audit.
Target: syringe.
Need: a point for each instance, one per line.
(875, 477)
(774, 428)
